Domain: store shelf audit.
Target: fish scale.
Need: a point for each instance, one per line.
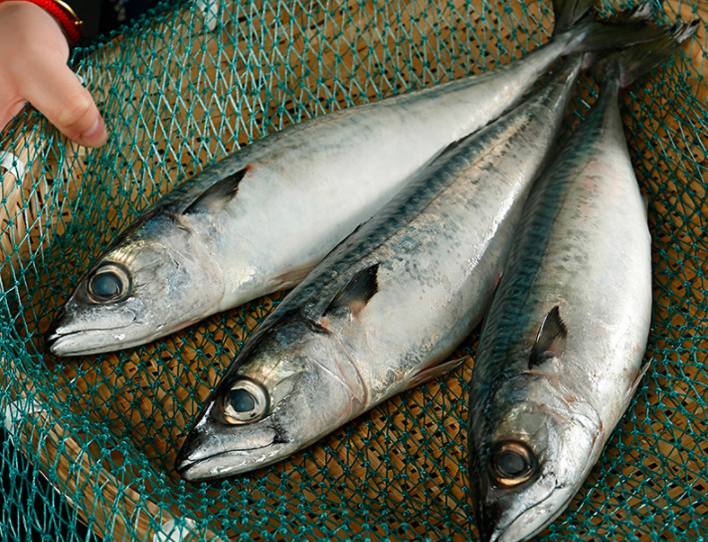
(382, 311)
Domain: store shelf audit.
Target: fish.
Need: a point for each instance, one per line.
(259, 220)
(382, 312)
(561, 352)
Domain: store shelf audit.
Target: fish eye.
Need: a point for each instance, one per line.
(109, 283)
(512, 463)
(245, 402)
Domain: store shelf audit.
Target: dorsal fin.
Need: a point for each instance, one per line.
(357, 293)
(551, 339)
(218, 195)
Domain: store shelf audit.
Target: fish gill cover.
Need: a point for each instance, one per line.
(93, 440)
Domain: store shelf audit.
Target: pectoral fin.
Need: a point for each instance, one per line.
(216, 197)
(357, 293)
(431, 373)
(637, 380)
(292, 277)
(551, 339)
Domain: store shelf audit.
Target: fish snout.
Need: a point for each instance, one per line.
(54, 332)
(489, 511)
(186, 455)
(216, 450)
(488, 516)
(74, 334)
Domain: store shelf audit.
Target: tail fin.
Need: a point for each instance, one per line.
(643, 12)
(628, 28)
(568, 13)
(632, 63)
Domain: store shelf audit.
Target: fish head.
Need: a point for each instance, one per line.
(532, 443)
(157, 278)
(277, 397)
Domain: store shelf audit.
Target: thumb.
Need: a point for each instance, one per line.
(55, 91)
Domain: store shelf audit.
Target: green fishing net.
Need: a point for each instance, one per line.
(88, 444)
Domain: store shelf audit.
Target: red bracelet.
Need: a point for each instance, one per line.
(65, 16)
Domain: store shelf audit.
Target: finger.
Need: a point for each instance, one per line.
(10, 112)
(56, 91)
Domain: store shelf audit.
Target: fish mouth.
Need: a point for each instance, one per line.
(212, 450)
(517, 529)
(229, 463)
(61, 342)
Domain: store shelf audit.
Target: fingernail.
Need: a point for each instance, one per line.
(96, 135)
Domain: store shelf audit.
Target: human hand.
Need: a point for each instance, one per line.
(33, 68)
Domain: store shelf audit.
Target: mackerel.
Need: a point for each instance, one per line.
(387, 306)
(561, 350)
(261, 219)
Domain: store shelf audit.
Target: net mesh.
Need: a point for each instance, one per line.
(88, 444)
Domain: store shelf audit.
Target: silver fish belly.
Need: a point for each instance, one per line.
(381, 312)
(561, 350)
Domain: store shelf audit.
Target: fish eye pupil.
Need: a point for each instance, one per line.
(106, 285)
(242, 401)
(512, 463)
(109, 283)
(246, 402)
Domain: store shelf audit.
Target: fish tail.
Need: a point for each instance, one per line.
(569, 12)
(628, 28)
(628, 65)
